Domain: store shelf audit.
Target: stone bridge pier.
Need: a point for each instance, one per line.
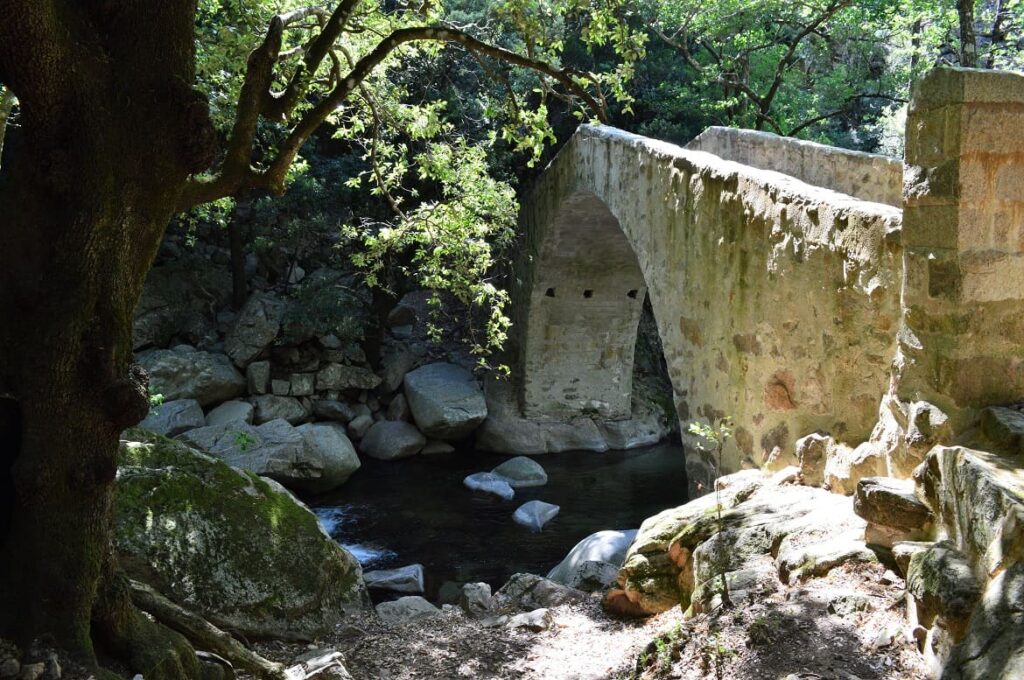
(797, 288)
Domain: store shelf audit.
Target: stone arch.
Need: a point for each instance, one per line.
(585, 303)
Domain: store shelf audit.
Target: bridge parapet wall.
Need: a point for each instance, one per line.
(870, 177)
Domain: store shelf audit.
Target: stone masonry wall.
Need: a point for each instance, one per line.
(867, 176)
(777, 301)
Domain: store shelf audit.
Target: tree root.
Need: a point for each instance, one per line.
(201, 633)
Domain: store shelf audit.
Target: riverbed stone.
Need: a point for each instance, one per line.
(337, 455)
(184, 373)
(407, 579)
(535, 514)
(436, 447)
(174, 417)
(270, 407)
(255, 328)
(535, 621)
(332, 409)
(488, 482)
(230, 412)
(445, 400)
(505, 433)
(392, 440)
(406, 609)
(233, 547)
(342, 377)
(522, 472)
(398, 409)
(360, 425)
(608, 547)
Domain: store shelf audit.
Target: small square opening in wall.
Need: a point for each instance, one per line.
(632, 294)
(550, 292)
(588, 293)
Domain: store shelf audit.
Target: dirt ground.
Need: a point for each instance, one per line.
(849, 625)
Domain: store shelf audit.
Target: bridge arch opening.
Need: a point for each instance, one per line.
(585, 305)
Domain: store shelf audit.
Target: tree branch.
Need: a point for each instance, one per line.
(237, 173)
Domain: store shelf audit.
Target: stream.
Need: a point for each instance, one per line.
(394, 513)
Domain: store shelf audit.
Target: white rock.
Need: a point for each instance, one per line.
(408, 579)
(535, 514)
(405, 609)
(231, 412)
(608, 546)
(522, 472)
(489, 482)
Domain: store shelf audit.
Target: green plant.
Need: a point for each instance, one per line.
(243, 440)
(155, 402)
(717, 435)
(714, 655)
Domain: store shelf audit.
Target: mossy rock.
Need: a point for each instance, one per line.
(234, 547)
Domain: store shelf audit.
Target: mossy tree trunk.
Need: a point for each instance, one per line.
(110, 129)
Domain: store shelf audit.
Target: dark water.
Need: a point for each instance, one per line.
(417, 510)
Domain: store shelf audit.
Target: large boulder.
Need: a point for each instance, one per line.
(174, 417)
(237, 549)
(185, 373)
(993, 648)
(274, 449)
(603, 546)
(942, 582)
(335, 450)
(445, 400)
(392, 440)
(255, 327)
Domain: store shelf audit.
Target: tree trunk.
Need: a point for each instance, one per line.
(109, 131)
(968, 43)
(236, 246)
(7, 101)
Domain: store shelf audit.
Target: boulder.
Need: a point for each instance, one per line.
(406, 609)
(505, 433)
(231, 412)
(330, 409)
(535, 514)
(476, 599)
(522, 472)
(993, 646)
(927, 426)
(1004, 427)
(579, 434)
(942, 582)
(801, 562)
(903, 551)
(360, 425)
(235, 548)
(536, 621)
(529, 592)
(608, 547)
(592, 575)
(489, 482)
(273, 407)
(811, 455)
(845, 466)
(978, 497)
(342, 377)
(257, 375)
(892, 509)
(408, 579)
(174, 417)
(302, 384)
(255, 328)
(398, 409)
(435, 447)
(393, 369)
(445, 400)
(388, 440)
(336, 453)
(183, 373)
(274, 449)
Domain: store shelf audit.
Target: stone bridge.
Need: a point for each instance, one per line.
(797, 288)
